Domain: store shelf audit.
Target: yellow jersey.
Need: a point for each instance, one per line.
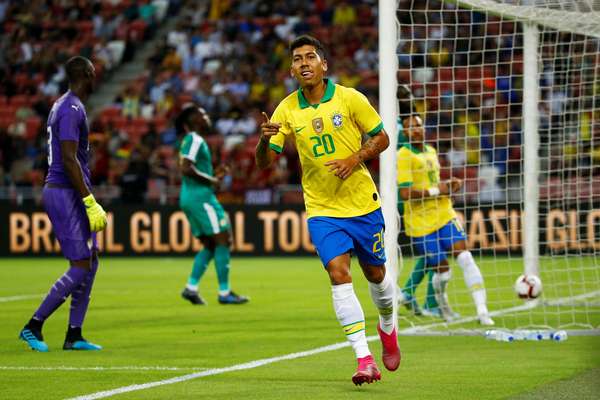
(421, 170)
(326, 131)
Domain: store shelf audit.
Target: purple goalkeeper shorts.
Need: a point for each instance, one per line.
(70, 223)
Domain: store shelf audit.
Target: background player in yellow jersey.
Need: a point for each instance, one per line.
(430, 219)
(327, 123)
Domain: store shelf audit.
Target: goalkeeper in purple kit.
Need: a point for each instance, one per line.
(72, 209)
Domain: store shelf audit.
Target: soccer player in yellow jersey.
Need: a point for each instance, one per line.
(430, 219)
(327, 123)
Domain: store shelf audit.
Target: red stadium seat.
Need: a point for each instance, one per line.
(33, 125)
(137, 29)
(19, 101)
(85, 28)
(120, 122)
(5, 121)
(20, 80)
(110, 112)
(161, 123)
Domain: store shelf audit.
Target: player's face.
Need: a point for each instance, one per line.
(414, 129)
(91, 77)
(307, 66)
(200, 121)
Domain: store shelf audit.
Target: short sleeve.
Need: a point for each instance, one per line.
(404, 171)
(363, 113)
(280, 116)
(184, 149)
(68, 124)
(191, 146)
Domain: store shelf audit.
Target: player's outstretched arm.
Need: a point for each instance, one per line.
(95, 212)
(369, 150)
(264, 155)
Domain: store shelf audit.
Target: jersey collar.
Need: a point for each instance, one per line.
(414, 149)
(328, 95)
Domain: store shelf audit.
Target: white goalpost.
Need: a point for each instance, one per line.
(509, 92)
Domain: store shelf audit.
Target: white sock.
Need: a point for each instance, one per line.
(473, 280)
(440, 282)
(382, 294)
(351, 317)
(193, 288)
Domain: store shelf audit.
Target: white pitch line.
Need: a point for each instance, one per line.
(123, 368)
(332, 347)
(22, 297)
(215, 371)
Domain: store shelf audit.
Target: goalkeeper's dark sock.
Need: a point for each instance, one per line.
(415, 278)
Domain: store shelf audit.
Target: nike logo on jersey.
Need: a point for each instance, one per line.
(75, 107)
(300, 128)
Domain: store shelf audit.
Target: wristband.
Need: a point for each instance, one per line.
(434, 191)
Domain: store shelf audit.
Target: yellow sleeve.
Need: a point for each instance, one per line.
(280, 116)
(363, 113)
(404, 171)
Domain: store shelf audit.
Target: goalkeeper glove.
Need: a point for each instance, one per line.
(95, 213)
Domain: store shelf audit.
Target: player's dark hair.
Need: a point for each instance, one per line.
(77, 68)
(405, 102)
(183, 118)
(304, 40)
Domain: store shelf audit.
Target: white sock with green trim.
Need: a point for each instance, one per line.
(350, 314)
(473, 280)
(382, 294)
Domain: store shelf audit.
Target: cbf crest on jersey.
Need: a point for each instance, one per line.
(317, 124)
(336, 119)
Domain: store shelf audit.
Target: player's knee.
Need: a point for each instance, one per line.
(465, 259)
(208, 242)
(85, 264)
(223, 239)
(436, 261)
(339, 276)
(374, 274)
(459, 248)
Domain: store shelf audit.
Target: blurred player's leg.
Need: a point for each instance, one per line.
(80, 299)
(226, 295)
(201, 261)
(430, 307)
(406, 296)
(440, 283)
(430, 296)
(474, 281)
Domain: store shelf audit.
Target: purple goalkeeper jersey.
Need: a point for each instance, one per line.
(67, 121)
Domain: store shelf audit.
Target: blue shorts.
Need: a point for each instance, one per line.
(436, 245)
(70, 223)
(362, 235)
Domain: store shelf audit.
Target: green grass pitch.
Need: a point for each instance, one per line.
(137, 315)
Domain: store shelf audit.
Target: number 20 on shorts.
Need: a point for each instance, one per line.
(378, 243)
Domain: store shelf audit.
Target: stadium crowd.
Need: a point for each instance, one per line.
(231, 58)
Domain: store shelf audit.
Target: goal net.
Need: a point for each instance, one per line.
(509, 92)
